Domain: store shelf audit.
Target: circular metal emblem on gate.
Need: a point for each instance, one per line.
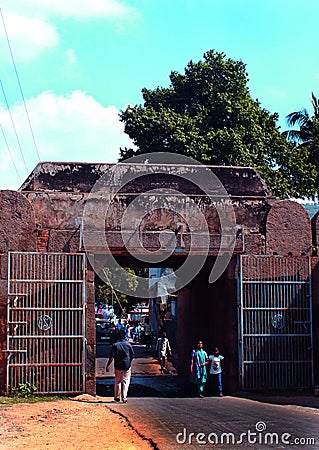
(45, 322)
(278, 321)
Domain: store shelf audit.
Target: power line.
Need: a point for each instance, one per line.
(11, 156)
(114, 292)
(18, 79)
(13, 125)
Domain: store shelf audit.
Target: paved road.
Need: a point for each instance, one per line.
(162, 409)
(169, 422)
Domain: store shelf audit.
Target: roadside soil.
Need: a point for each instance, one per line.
(66, 424)
(85, 422)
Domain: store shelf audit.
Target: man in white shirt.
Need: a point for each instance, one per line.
(164, 350)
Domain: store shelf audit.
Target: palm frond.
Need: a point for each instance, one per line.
(300, 118)
(292, 135)
(315, 105)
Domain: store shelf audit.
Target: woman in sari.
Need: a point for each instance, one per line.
(198, 368)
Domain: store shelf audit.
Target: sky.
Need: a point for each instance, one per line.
(68, 67)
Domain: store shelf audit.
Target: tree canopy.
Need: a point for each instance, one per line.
(207, 113)
(110, 283)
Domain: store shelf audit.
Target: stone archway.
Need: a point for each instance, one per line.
(54, 197)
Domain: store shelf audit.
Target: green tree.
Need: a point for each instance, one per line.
(306, 141)
(106, 293)
(207, 113)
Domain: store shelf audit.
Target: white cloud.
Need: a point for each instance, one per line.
(78, 9)
(66, 128)
(28, 37)
(70, 54)
(30, 23)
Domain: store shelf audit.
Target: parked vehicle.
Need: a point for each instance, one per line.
(103, 328)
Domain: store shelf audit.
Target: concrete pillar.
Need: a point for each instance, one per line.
(90, 332)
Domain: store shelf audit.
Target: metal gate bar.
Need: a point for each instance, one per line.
(275, 322)
(46, 321)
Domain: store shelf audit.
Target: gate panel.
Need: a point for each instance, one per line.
(275, 322)
(46, 321)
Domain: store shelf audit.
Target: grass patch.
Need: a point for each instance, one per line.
(13, 400)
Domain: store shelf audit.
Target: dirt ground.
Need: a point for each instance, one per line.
(66, 424)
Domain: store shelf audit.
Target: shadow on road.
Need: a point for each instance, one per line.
(146, 381)
(166, 386)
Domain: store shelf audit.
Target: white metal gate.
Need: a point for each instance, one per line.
(275, 322)
(46, 321)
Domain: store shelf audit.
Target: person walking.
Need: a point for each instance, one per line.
(127, 332)
(147, 328)
(198, 368)
(136, 333)
(122, 353)
(164, 350)
(215, 370)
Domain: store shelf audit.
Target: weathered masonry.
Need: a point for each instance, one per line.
(263, 312)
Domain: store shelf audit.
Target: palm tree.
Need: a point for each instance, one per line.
(307, 129)
(305, 144)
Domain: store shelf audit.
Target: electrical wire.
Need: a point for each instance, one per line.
(19, 83)
(114, 292)
(13, 125)
(10, 153)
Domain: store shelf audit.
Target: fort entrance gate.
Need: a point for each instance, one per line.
(275, 322)
(46, 322)
(47, 315)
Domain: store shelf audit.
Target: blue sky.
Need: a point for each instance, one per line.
(81, 61)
